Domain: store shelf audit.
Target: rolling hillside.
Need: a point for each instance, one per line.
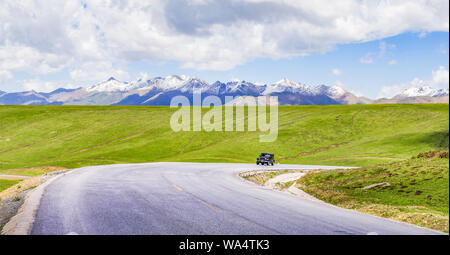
(351, 135)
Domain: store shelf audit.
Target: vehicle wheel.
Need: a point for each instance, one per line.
(272, 163)
(257, 163)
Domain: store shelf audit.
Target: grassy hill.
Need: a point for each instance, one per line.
(414, 190)
(347, 135)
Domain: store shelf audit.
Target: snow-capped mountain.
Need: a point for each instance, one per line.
(425, 94)
(286, 85)
(425, 91)
(25, 98)
(110, 85)
(160, 91)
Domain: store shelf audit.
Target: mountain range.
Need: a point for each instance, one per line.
(160, 91)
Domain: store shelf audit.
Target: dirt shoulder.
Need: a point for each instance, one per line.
(280, 180)
(9, 207)
(19, 203)
(260, 177)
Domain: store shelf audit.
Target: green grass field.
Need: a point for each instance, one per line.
(418, 190)
(4, 184)
(350, 135)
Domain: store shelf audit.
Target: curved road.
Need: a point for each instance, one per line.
(191, 198)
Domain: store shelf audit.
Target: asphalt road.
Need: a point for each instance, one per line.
(191, 198)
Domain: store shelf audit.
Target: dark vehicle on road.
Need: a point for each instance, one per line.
(266, 159)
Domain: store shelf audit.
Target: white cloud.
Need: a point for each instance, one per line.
(201, 34)
(95, 71)
(367, 59)
(143, 76)
(391, 91)
(392, 62)
(339, 84)
(443, 49)
(336, 71)
(384, 48)
(351, 90)
(45, 86)
(356, 93)
(439, 79)
(5, 75)
(31, 60)
(423, 34)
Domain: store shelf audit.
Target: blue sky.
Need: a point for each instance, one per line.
(370, 53)
(409, 56)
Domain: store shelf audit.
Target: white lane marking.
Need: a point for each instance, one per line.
(72, 234)
(372, 233)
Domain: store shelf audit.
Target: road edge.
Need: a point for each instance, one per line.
(292, 191)
(312, 198)
(22, 222)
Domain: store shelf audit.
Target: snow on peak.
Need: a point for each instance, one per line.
(424, 91)
(171, 82)
(335, 91)
(286, 85)
(236, 85)
(192, 84)
(286, 82)
(185, 83)
(138, 84)
(110, 85)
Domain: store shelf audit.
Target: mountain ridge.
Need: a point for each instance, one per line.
(160, 91)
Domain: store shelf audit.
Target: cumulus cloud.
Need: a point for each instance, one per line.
(383, 50)
(423, 34)
(143, 76)
(443, 49)
(5, 75)
(31, 60)
(392, 62)
(367, 59)
(439, 79)
(336, 71)
(42, 37)
(45, 86)
(95, 71)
